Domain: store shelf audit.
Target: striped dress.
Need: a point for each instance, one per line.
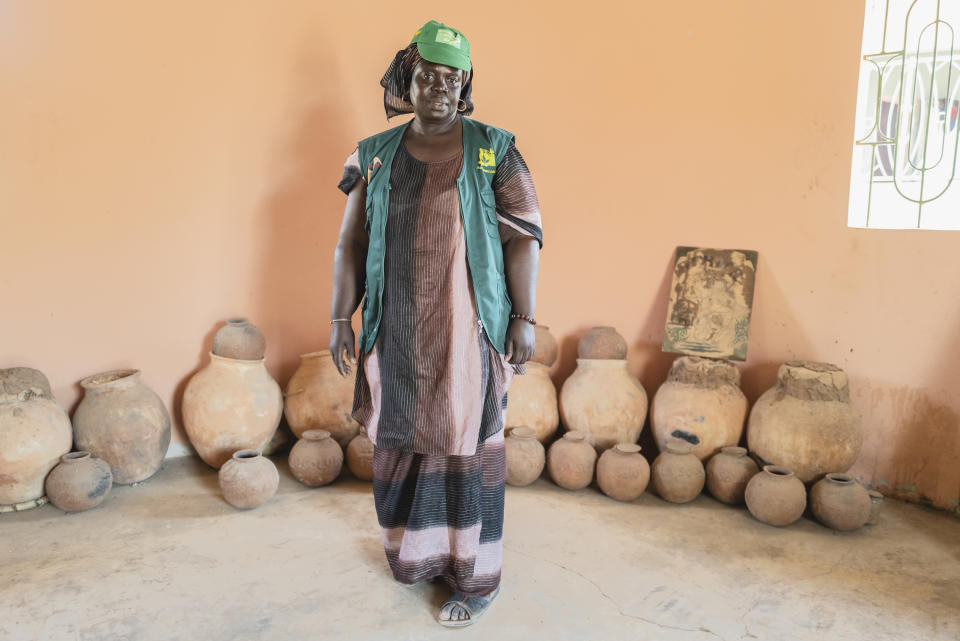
(432, 390)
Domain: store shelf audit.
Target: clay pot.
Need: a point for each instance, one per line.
(876, 504)
(316, 459)
(546, 346)
(318, 398)
(248, 479)
(123, 422)
(602, 398)
(532, 402)
(677, 472)
(525, 456)
(360, 457)
(776, 496)
(806, 422)
(602, 343)
(240, 340)
(570, 461)
(34, 433)
(79, 482)
(622, 472)
(839, 502)
(230, 405)
(701, 395)
(728, 474)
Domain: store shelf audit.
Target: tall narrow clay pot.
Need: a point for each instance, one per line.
(839, 502)
(79, 482)
(702, 396)
(316, 459)
(230, 405)
(571, 461)
(34, 433)
(360, 456)
(603, 399)
(728, 474)
(525, 456)
(248, 479)
(677, 473)
(123, 422)
(241, 340)
(318, 398)
(532, 402)
(776, 496)
(806, 422)
(622, 472)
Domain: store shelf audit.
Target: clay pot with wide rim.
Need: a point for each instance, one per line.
(525, 456)
(677, 472)
(700, 395)
(79, 482)
(316, 459)
(839, 502)
(123, 422)
(776, 496)
(622, 472)
(876, 504)
(603, 399)
(240, 340)
(34, 433)
(532, 402)
(231, 405)
(806, 422)
(318, 398)
(360, 456)
(546, 350)
(602, 343)
(571, 461)
(248, 479)
(728, 473)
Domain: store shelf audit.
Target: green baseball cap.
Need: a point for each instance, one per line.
(443, 45)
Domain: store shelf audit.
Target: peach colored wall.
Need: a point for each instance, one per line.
(167, 164)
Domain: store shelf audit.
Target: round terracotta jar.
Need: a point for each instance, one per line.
(776, 496)
(241, 340)
(571, 461)
(318, 398)
(525, 456)
(79, 482)
(728, 474)
(622, 472)
(360, 457)
(248, 479)
(316, 459)
(876, 504)
(546, 350)
(700, 395)
(532, 402)
(602, 343)
(603, 399)
(839, 502)
(123, 422)
(677, 472)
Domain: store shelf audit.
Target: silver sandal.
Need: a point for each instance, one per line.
(475, 606)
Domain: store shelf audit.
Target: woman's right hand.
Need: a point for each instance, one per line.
(343, 341)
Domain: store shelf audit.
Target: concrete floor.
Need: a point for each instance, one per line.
(171, 560)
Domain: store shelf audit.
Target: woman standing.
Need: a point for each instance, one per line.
(441, 237)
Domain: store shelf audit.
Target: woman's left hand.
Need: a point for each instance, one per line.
(521, 341)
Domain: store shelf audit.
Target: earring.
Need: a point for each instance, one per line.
(461, 105)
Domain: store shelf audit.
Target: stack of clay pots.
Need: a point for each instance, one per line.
(319, 398)
(532, 400)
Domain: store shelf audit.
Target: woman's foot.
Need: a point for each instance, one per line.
(460, 610)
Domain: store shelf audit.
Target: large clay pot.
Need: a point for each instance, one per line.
(34, 433)
(79, 482)
(622, 472)
(602, 398)
(805, 422)
(600, 343)
(546, 346)
(360, 456)
(231, 405)
(839, 502)
(241, 340)
(532, 402)
(776, 496)
(248, 479)
(702, 396)
(525, 456)
(728, 474)
(677, 472)
(316, 459)
(318, 398)
(123, 422)
(571, 461)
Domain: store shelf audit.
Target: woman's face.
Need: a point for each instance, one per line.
(435, 91)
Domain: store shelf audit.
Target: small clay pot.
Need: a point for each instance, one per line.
(839, 502)
(602, 343)
(79, 482)
(546, 346)
(876, 503)
(360, 456)
(241, 340)
(728, 473)
(570, 461)
(525, 456)
(678, 474)
(316, 459)
(622, 472)
(776, 496)
(248, 479)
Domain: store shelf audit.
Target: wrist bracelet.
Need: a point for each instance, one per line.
(340, 320)
(523, 317)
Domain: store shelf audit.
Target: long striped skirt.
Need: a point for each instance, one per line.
(442, 516)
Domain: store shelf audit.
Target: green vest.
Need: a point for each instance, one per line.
(483, 146)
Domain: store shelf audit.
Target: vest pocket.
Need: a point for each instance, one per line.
(489, 203)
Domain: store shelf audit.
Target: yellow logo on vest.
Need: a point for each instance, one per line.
(488, 162)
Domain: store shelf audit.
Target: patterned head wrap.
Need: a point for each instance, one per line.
(396, 84)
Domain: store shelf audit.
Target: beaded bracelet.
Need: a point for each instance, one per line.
(340, 320)
(524, 317)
